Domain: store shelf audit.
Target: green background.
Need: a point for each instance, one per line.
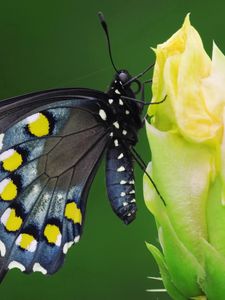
(52, 44)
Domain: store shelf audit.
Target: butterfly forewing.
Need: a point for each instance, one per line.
(50, 153)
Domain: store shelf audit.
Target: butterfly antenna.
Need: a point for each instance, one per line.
(140, 74)
(105, 28)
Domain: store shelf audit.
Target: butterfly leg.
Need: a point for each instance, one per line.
(143, 89)
(143, 166)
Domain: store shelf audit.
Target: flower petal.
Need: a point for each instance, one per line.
(181, 65)
(213, 86)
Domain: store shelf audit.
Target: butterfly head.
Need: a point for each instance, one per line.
(127, 82)
(130, 87)
(123, 76)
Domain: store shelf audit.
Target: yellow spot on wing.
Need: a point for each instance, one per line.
(13, 162)
(72, 212)
(53, 234)
(39, 127)
(9, 192)
(26, 240)
(13, 222)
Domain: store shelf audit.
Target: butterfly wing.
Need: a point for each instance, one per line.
(52, 143)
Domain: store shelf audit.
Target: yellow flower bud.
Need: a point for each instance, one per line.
(187, 141)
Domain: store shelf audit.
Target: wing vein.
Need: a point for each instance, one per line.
(16, 236)
(85, 153)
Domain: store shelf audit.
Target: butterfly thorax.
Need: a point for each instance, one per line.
(126, 114)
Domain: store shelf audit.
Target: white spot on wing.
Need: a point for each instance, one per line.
(102, 114)
(132, 201)
(6, 154)
(15, 264)
(77, 238)
(120, 102)
(33, 246)
(67, 246)
(127, 112)
(4, 183)
(110, 101)
(125, 203)
(32, 118)
(131, 182)
(2, 248)
(122, 194)
(5, 216)
(124, 132)
(38, 268)
(117, 92)
(132, 192)
(111, 134)
(18, 240)
(59, 239)
(1, 140)
(121, 169)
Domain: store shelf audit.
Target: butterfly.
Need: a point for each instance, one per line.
(51, 145)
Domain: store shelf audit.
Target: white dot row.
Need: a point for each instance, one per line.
(126, 203)
(36, 267)
(123, 194)
(127, 182)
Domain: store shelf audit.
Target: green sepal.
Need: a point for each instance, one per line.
(183, 266)
(170, 287)
(214, 281)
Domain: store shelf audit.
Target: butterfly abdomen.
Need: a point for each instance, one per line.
(120, 181)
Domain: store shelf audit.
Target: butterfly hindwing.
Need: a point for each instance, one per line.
(48, 160)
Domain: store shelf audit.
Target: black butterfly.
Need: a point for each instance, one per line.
(51, 146)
